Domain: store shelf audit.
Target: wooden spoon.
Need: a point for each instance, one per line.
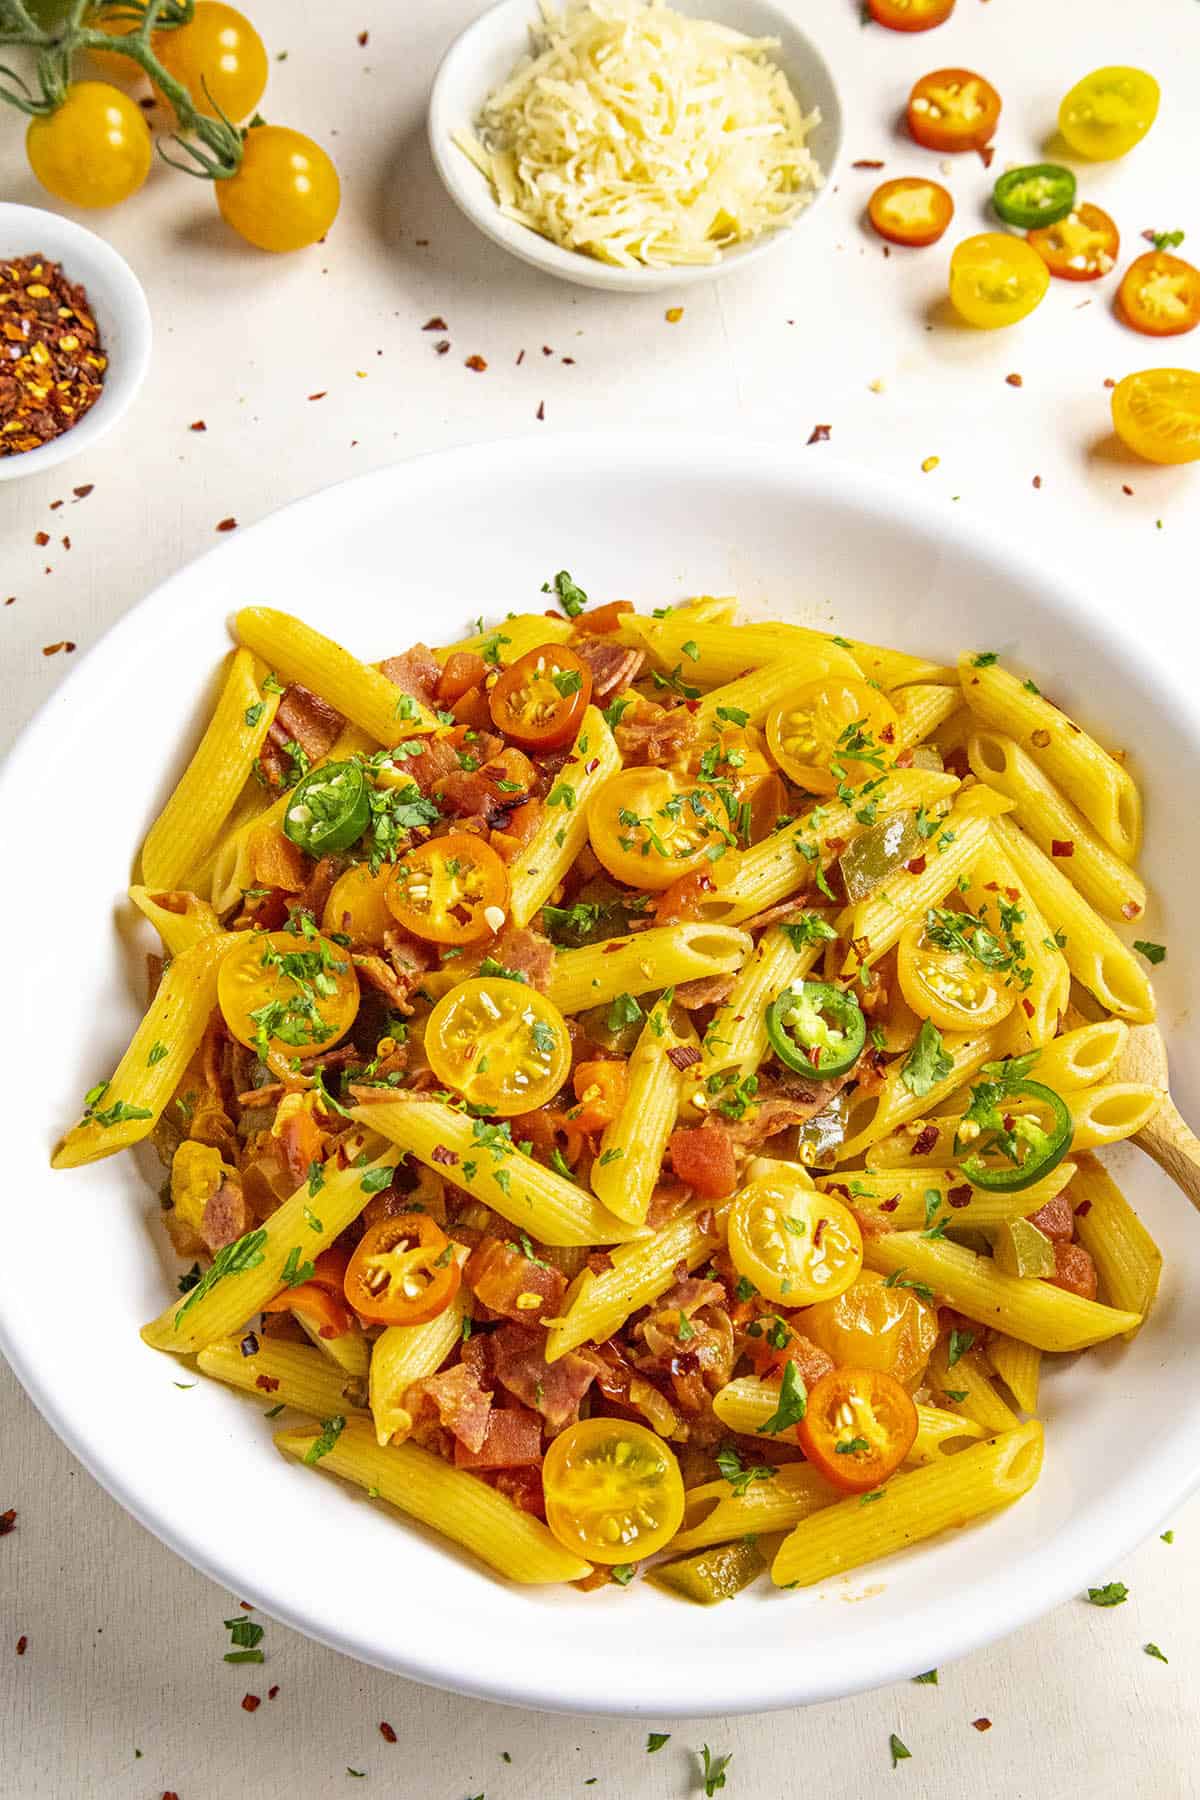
(1167, 1138)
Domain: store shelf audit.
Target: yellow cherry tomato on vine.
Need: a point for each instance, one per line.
(93, 150)
(996, 279)
(285, 194)
(219, 58)
(113, 25)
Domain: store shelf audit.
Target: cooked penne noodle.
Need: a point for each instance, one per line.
(923, 712)
(966, 1388)
(540, 865)
(912, 1507)
(402, 1354)
(349, 1352)
(189, 823)
(1035, 1311)
(1057, 828)
(485, 1161)
(1092, 780)
(459, 1505)
(1095, 955)
(1081, 1057)
(249, 1272)
(1127, 1259)
(663, 956)
(179, 924)
(283, 1374)
(747, 1403)
(1019, 1367)
(125, 1109)
(596, 1305)
(998, 895)
(504, 643)
(940, 1434)
(719, 655)
(877, 923)
(367, 698)
(756, 693)
(872, 1116)
(1111, 1111)
(898, 1199)
(715, 1513)
(737, 1033)
(628, 1161)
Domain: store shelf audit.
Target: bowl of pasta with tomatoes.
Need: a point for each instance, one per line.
(637, 1099)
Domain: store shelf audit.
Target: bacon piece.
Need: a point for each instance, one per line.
(275, 862)
(522, 1486)
(463, 670)
(302, 718)
(1074, 1270)
(225, 1215)
(705, 990)
(684, 899)
(300, 1141)
(317, 889)
(521, 948)
(648, 733)
(691, 1292)
(552, 1389)
(461, 1404)
(437, 759)
(416, 672)
(780, 1104)
(384, 978)
(1055, 1220)
(513, 1441)
(786, 909)
(613, 666)
(502, 1276)
(492, 792)
(702, 1157)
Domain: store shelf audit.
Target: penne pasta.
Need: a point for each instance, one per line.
(1111, 1111)
(283, 1374)
(747, 1404)
(626, 1169)
(877, 923)
(367, 698)
(596, 1305)
(402, 1354)
(736, 1037)
(966, 1388)
(504, 643)
(872, 1116)
(460, 1506)
(923, 712)
(940, 1433)
(997, 894)
(720, 654)
(1128, 1261)
(540, 865)
(663, 956)
(1019, 1367)
(898, 1199)
(1083, 1056)
(349, 1352)
(181, 919)
(772, 1500)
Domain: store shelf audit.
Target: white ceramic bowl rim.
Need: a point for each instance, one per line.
(1000, 1595)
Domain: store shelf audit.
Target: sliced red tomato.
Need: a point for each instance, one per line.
(404, 1271)
(910, 15)
(910, 211)
(1081, 247)
(953, 109)
(451, 890)
(540, 700)
(858, 1429)
(1159, 295)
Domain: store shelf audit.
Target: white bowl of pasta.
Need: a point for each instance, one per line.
(841, 1117)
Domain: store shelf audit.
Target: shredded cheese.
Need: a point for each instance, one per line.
(638, 136)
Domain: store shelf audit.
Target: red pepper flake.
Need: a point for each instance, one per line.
(1109, 382)
(986, 153)
(820, 434)
(1062, 846)
(1014, 380)
(546, 350)
(959, 1196)
(54, 505)
(1125, 488)
(589, 768)
(541, 411)
(53, 649)
(11, 601)
(363, 38)
(1037, 481)
(887, 734)
(22, 1646)
(889, 1205)
(7, 1521)
(982, 1724)
(41, 539)
(442, 346)
(386, 1732)
(437, 323)
(53, 365)
(925, 1141)
(477, 363)
(319, 396)
(226, 524)
(867, 162)
(81, 493)
(835, 845)
(520, 357)
(272, 1691)
(915, 865)
(268, 1383)
(251, 1702)
(1130, 910)
(1028, 1007)
(1083, 1209)
(442, 1154)
(819, 1232)
(170, 1794)
(568, 359)
(197, 425)
(682, 1056)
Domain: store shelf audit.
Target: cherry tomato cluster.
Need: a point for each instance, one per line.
(997, 278)
(89, 144)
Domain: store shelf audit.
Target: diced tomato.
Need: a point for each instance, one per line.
(702, 1157)
(1074, 1270)
(472, 710)
(811, 1361)
(600, 1090)
(502, 1276)
(684, 898)
(548, 1129)
(513, 1440)
(1055, 1220)
(464, 669)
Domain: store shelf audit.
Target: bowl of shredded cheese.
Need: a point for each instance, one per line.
(635, 145)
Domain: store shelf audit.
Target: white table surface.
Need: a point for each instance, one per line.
(122, 1690)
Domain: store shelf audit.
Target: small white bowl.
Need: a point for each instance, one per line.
(120, 310)
(486, 54)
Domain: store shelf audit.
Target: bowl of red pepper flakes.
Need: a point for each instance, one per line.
(75, 339)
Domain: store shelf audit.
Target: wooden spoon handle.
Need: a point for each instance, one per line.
(1175, 1148)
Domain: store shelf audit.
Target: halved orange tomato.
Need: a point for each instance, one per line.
(910, 211)
(404, 1271)
(540, 699)
(1081, 247)
(953, 109)
(1159, 295)
(450, 890)
(858, 1428)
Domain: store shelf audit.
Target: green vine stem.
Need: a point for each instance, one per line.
(212, 147)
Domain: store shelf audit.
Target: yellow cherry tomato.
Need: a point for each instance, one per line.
(111, 61)
(219, 58)
(613, 1490)
(1156, 414)
(832, 731)
(285, 994)
(735, 756)
(357, 906)
(874, 1326)
(1108, 112)
(500, 1044)
(947, 984)
(94, 150)
(796, 1245)
(996, 279)
(286, 192)
(648, 828)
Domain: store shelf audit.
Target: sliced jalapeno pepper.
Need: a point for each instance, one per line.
(1038, 194)
(817, 1029)
(1002, 1127)
(329, 809)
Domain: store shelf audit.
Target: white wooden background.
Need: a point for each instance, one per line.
(122, 1690)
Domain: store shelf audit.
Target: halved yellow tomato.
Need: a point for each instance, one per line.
(613, 1490)
(874, 1326)
(796, 1245)
(1108, 112)
(947, 984)
(832, 731)
(287, 994)
(500, 1044)
(995, 279)
(648, 828)
(1156, 414)
(357, 907)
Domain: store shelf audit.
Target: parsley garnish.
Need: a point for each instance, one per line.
(1153, 1650)
(900, 1752)
(927, 1063)
(1166, 240)
(623, 1573)
(571, 597)
(623, 1011)
(331, 1431)
(498, 971)
(294, 1271)
(254, 713)
(655, 1741)
(985, 659)
(738, 1474)
(245, 1636)
(1111, 1594)
(809, 928)
(897, 1279)
(713, 1771)
(235, 1259)
(928, 1679)
(793, 1403)
(1153, 953)
(692, 649)
(733, 715)
(960, 1343)
(614, 713)
(157, 1052)
(316, 1179)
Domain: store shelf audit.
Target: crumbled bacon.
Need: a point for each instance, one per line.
(415, 673)
(552, 1389)
(705, 990)
(302, 718)
(460, 1403)
(648, 733)
(612, 666)
(513, 1440)
(225, 1215)
(502, 1276)
(682, 1056)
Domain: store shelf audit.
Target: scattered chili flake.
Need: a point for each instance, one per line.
(272, 1691)
(268, 1383)
(541, 411)
(1062, 846)
(41, 538)
(226, 524)
(915, 865)
(478, 363)
(251, 1702)
(22, 1644)
(81, 493)
(386, 1732)
(11, 601)
(319, 396)
(982, 1724)
(1083, 1209)
(440, 1154)
(820, 434)
(1125, 488)
(197, 425)
(682, 1056)
(960, 1195)
(442, 346)
(169, 1793)
(53, 649)
(867, 162)
(520, 357)
(437, 323)
(1130, 910)
(1027, 1006)
(1037, 481)
(363, 37)
(66, 543)
(986, 153)
(1109, 382)
(930, 463)
(8, 1521)
(546, 350)
(889, 1205)
(51, 363)
(568, 359)
(926, 1140)
(1014, 380)
(54, 505)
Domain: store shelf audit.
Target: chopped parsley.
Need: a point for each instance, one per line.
(623, 1573)
(615, 712)
(623, 1011)
(713, 1769)
(316, 1179)
(570, 596)
(809, 928)
(254, 713)
(655, 1741)
(157, 1052)
(1166, 240)
(897, 1278)
(375, 1180)
(294, 1271)
(900, 1752)
(1153, 953)
(499, 972)
(245, 1637)
(733, 715)
(331, 1431)
(738, 1474)
(927, 1063)
(928, 1679)
(1153, 1650)
(234, 1259)
(985, 659)
(793, 1403)
(567, 681)
(960, 1343)
(1113, 1593)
